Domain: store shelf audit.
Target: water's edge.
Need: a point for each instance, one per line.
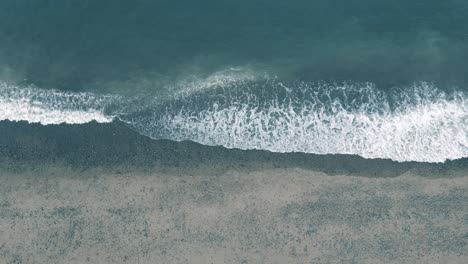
(117, 148)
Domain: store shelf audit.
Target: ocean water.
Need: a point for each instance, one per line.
(368, 78)
(362, 89)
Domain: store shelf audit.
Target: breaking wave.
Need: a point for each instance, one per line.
(416, 123)
(419, 123)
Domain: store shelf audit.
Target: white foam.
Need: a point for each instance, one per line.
(421, 123)
(426, 125)
(217, 79)
(51, 106)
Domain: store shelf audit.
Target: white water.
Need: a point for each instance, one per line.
(50, 106)
(424, 125)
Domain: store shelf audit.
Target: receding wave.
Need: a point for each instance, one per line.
(415, 123)
(51, 106)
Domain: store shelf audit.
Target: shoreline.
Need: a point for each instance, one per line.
(113, 146)
(125, 198)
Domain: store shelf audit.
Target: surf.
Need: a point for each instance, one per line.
(49, 107)
(416, 123)
(419, 122)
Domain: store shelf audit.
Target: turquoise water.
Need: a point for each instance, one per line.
(378, 79)
(89, 45)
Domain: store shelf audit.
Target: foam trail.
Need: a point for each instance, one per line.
(419, 123)
(50, 106)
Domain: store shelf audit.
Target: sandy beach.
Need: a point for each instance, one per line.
(198, 204)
